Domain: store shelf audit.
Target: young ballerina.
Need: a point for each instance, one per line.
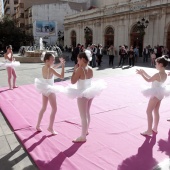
(153, 56)
(85, 91)
(10, 64)
(156, 93)
(48, 89)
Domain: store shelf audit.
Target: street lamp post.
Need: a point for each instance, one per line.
(142, 25)
(86, 31)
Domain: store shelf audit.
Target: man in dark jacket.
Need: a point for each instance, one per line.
(76, 52)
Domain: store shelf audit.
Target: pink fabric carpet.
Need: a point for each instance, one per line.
(114, 141)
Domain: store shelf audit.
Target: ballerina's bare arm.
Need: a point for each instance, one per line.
(7, 58)
(146, 76)
(12, 56)
(76, 74)
(61, 75)
(58, 65)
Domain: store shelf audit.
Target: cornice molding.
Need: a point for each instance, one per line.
(116, 11)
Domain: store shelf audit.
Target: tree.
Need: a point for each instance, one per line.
(11, 34)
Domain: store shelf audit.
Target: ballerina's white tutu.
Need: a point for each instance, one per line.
(158, 90)
(85, 88)
(2, 64)
(8, 63)
(47, 86)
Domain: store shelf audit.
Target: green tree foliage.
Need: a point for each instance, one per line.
(11, 34)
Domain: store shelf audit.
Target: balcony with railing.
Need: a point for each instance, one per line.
(30, 14)
(6, 2)
(6, 7)
(21, 15)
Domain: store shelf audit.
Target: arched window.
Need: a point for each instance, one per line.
(136, 40)
(109, 37)
(73, 38)
(88, 36)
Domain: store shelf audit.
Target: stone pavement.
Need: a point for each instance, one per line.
(12, 155)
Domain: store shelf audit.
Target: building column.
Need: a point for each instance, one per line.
(162, 19)
(126, 30)
(94, 33)
(102, 32)
(156, 30)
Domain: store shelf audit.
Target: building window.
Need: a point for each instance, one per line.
(88, 36)
(15, 2)
(22, 25)
(21, 15)
(135, 39)
(109, 37)
(73, 38)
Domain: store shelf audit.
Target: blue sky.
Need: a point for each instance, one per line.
(2, 3)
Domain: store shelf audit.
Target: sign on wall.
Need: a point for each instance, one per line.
(44, 28)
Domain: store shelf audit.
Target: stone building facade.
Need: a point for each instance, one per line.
(56, 13)
(9, 7)
(26, 12)
(115, 22)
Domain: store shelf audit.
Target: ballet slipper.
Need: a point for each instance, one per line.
(146, 134)
(38, 129)
(10, 88)
(79, 140)
(15, 86)
(168, 119)
(154, 131)
(53, 132)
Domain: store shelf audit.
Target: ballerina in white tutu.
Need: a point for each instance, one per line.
(46, 86)
(85, 90)
(156, 92)
(10, 65)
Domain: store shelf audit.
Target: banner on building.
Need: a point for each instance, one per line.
(45, 28)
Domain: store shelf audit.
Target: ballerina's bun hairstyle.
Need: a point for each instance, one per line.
(46, 56)
(86, 55)
(9, 46)
(163, 60)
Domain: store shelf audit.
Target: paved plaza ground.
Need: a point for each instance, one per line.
(12, 155)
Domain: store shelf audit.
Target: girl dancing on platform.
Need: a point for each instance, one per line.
(10, 63)
(48, 89)
(156, 93)
(85, 90)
